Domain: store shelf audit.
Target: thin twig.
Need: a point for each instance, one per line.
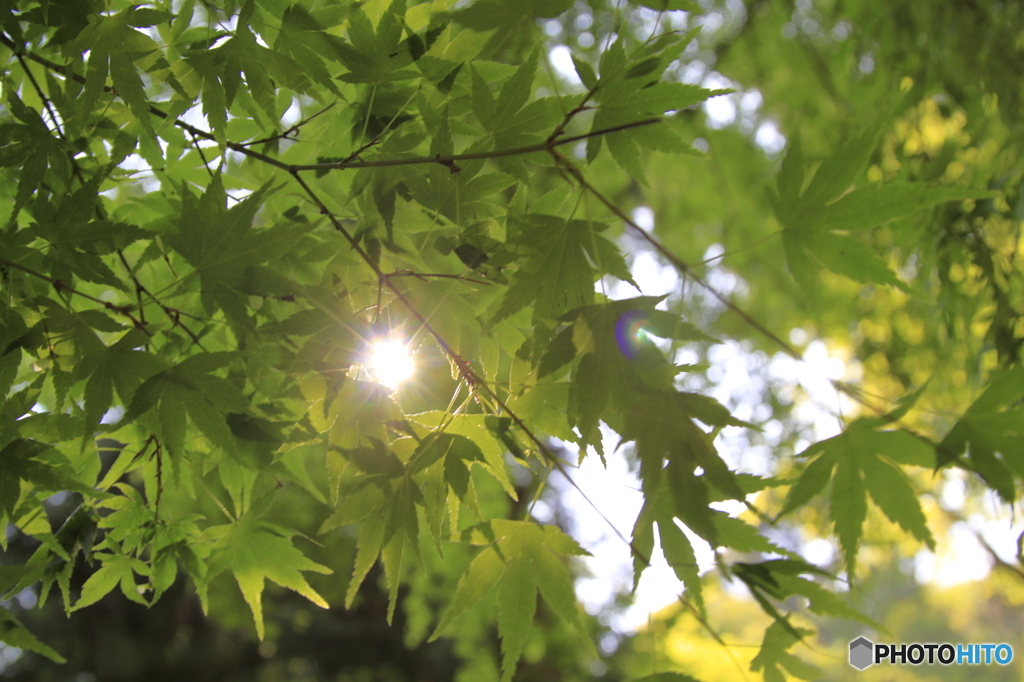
(158, 456)
(683, 268)
(291, 132)
(42, 96)
(571, 114)
(195, 143)
(424, 275)
(172, 313)
(447, 160)
(60, 286)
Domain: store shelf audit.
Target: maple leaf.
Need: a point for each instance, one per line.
(255, 551)
(774, 655)
(556, 276)
(815, 219)
(188, 390)
(522, 560)
(991, 434)
(37, 463)
(626, 95)
(14, 634)
(676, 547)
(227, 253)
(859, 461)
(115, 569)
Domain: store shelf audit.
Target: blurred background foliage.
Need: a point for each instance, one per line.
(817, 70)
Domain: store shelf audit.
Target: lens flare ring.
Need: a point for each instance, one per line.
(630, 334)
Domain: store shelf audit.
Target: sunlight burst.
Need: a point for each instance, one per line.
(391, 363)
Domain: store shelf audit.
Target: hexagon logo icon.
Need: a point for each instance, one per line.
(861, 653)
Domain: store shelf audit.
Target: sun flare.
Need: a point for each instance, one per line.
(391, 363)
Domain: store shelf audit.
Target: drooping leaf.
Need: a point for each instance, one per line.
(525, 559)
(14, 634)
(254, 552)
(774, 655)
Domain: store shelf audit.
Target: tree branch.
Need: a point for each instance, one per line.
(173, 313)
(545, 146)
(424, 275)
(42, 96)
(683, 268)
(548, 145)
(61, 286)
(291, 132)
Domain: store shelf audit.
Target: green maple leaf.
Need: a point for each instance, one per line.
(30, 147)
(391, 524)
(844, 255)
(777, 580)
(484, 572)
(376, 56)
(743, 537)
(663, 428)
(56, 558)
(189, 390)
(218, 73)
(867, 207)
(473, 427)
(116, 569)
(255, 551)
(991, 434)
(525, 559)
(130, 521)
(840, 170)
(114, 45)
(627, 95)
(14, 634)
(859, 461)
(618, 358)
(118, 365)
(39, 464)
(227, 253)
(517, 603)
(511, 118)
(815, 219)
(774, 656)
(556, 276)
(307, 42)
(659, 509)
(514, 94)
